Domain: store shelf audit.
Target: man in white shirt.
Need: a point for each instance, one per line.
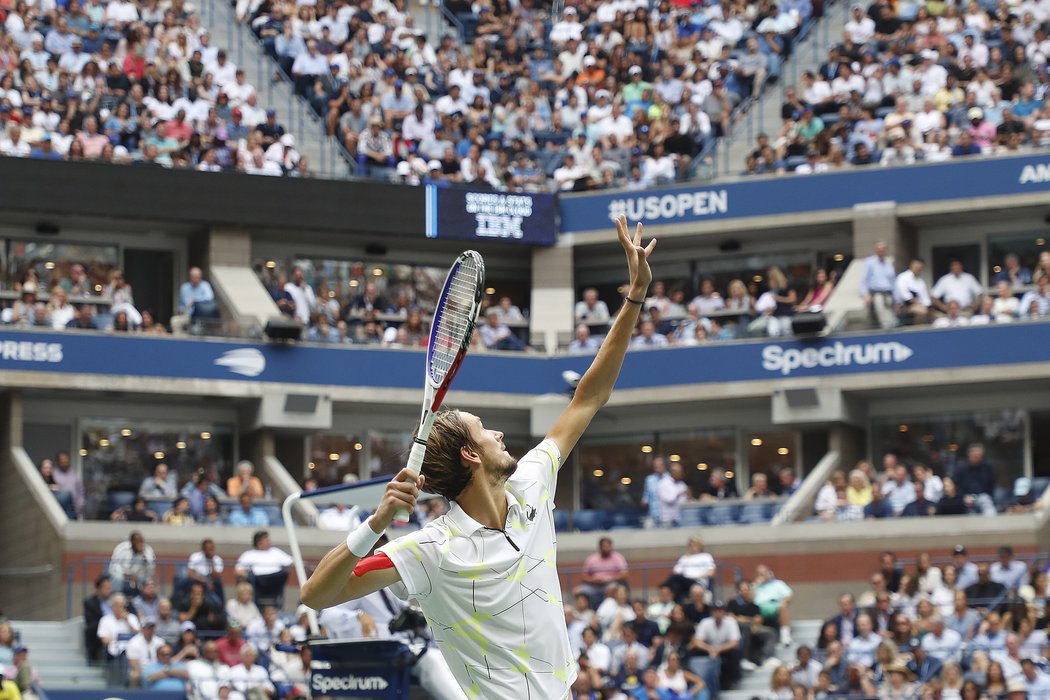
(142, 650)
(131, 563)
(942, 643)
(303, 296)
(206, 566)
(672, 490)
(958, 286)
(1035, 681)
(339, 518)
(266, 566)
(248, 676)
(118, 623)
(693, 567)
(1008, 571)
(911, 294)
(467, 568)
(565, 177)
(263, 631)
(568, 28)
(208, 672)
(718, 637)
(223, 70)
(708, 300)
(860, 28)
(861, 649)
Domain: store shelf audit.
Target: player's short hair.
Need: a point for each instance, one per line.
(444, 470)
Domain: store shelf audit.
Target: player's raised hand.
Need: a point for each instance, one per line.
(637, 256)
(401, 494)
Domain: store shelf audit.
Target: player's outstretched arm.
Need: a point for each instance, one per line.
(333, 581)
(597, 383)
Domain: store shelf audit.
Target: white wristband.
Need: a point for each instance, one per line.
(361, 540)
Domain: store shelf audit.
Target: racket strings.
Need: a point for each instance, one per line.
(455, 320)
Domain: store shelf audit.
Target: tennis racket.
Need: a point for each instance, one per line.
(453, 324)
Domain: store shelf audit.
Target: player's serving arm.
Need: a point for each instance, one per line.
(485, 573)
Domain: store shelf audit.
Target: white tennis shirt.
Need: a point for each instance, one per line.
(493, 599)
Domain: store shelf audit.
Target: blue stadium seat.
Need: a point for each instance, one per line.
(721, 515)
(624, 518)
(273, 514)
(561, 520)
(692, 516)
(755, 513)
(119, 499)
(588, 520)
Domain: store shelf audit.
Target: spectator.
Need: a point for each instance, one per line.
(648, 337)
(984, 591)
(773, 598)
(247, 514)
(757, 641)
(879, 507)
(672, 492)
(846, 621)
(958, 286)
(142, 650)
(145, 605)
(718, 487)
(602, 568)
(265, 566)
(919, 506)
(496, 335)
(196, 300)
(179, 514)
(132, 562)
(208, 672)
(21, 673)
(1039, 297)
(651, 490)
(165, 674)
(966, 570)
(200, 609)
(718, 637)
(168, 626)
(911, 294)
(861, 649)
(199, 489)
(205, 566)
(242, 607)
(975, 479)
(759, 487)
(1013, 273)
(876, 286)
(786, 482)
(264, 631)
(119, 622)
(68, 481)
(244, 481)
(942, 643)
(694, 567)
(1009, 572)
(306, 305)
(1005, 305)
(898, 489)
(95, 608)
(160, 485)
(583, 342)
(591, 310)
(64, 498)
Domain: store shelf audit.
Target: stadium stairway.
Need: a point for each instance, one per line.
(56, 651)
(764, 116)
(756, 683)
(244, 49)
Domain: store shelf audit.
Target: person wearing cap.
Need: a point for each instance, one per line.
(718, 638)
(1025, 499)
(142, 650)
(75, 58)
(375, 149)
(20, 672)
(397, 103)
(898, 684)
(568, 27)
(230, 644)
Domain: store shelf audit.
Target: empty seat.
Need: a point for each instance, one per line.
(624, 518)
(721, 515)
(755, 513)
(692, 516)
(561, 520)
(587, 520)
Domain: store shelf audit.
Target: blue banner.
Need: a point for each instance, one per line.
(472, 215)
(360, 669)
(927, 349)
(958, 179)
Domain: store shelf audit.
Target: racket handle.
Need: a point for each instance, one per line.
(415, 461)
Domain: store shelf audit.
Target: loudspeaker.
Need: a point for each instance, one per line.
(283, 329)
(801, 398)
(375, 249)
(729, 246)
(808, 322)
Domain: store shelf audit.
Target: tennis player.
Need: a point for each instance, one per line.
(485, 574)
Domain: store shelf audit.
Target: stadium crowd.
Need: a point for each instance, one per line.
(131, 82)
(957, 298)
(606, 94)
(917, 82)
(96, 296)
